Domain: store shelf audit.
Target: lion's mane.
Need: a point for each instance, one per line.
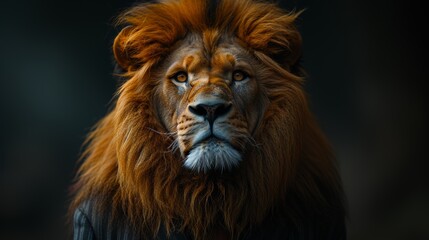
(130, 171)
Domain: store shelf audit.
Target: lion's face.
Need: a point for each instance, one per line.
(211, 99)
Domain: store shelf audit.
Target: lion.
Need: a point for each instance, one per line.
(210, 135)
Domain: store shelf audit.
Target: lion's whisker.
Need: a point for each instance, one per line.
(174, 146)
(163, 133)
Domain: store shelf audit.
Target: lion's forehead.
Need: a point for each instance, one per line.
(199, 54)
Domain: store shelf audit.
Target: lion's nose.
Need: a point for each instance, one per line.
(210, 112)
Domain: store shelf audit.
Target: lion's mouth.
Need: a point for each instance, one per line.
(212, 153)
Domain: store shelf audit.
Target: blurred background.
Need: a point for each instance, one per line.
(366, 62)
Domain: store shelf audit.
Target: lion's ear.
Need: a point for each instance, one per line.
(273, 33)
(122, 50)
(283, 45)
(288, 50)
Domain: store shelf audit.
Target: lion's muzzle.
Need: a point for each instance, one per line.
(205, 135)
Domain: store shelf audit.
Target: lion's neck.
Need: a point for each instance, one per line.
(203, 204)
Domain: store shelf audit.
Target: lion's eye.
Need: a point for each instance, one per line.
(239, 75)
(180, 77)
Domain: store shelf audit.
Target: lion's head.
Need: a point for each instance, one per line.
(209, 98)
(211, 129)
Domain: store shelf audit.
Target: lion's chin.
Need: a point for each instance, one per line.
(212, 155)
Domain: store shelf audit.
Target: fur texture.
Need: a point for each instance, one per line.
(286, 167)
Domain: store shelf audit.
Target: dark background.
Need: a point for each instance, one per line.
(366, 62)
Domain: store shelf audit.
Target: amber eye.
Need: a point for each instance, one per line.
(180, 77)
(239, 75)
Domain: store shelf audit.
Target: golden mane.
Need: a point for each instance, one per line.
(129, 170)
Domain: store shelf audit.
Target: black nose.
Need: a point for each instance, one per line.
(210, 112)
